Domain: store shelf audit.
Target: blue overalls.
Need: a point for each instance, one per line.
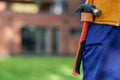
(101, 58)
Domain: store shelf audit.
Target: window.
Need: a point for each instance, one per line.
(45, 6)
(59, 7)
(75, 32)
(55, 35)
(65, 6)
(40, 40)
(28, 39)
(33, 39)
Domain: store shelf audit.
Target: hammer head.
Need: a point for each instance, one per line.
(84, 8)
(88, 8)
(96, 12)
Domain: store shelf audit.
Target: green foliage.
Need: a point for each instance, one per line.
(38, 2)
(37, 68)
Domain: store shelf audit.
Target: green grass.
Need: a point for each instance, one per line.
(37, 68)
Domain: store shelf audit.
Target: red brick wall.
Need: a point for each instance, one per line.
(11, 24)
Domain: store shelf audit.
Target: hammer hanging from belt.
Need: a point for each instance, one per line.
(88, 12)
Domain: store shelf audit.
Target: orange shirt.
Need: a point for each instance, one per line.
(110, 11)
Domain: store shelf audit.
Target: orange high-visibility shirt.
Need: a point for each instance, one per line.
(110, 11)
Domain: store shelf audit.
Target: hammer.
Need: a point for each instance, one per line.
(87, 8)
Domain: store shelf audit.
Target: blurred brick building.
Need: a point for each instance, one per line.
(39, 27)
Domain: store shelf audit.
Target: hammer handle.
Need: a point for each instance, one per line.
(81, 47)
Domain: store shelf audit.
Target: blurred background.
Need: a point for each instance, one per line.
(38, 39)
